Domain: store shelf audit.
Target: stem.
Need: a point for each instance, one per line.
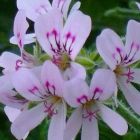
(130, 117)
(123, 13)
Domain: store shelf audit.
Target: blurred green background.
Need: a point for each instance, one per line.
(105, 14)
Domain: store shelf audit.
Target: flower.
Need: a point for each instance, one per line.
(39, 7)
(63, 42)
(89, 106)
(120, 59)
(46, 91)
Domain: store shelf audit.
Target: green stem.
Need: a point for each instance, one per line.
(123, 13)
(130, 117)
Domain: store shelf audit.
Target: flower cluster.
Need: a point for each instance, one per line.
(34, 89)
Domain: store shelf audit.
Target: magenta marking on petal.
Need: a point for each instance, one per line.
(18, 64)
(34, 90)
(71, 38)
(49, 109)
(129, 74)
(50, 88)
(19, 40)
(98, 91)
(54, 34)
(83, 99)
(90, 115)
(132, 53)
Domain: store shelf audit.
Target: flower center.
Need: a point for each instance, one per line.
(127, 72)
(62, 61)
(88, 112)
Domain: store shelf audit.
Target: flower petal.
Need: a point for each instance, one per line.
(20, 27)
(76, 92)
(73, 125)
(103, 84)
(62, 5)
(34, 8)
(8, 61)
(110, 47)
(75, 71)
(52, 78)
(58, 122)
(114, 120)
(49, 37)
(29, 38)
(90, 130)
(75, 7)
(136, 75)
(131, 94)
(29, 86)
(132, 41)
(27, 121)
(75, 33)
(12, 113)
(7, 97)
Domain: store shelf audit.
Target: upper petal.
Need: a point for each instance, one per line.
(110, 48)
(48, 33)
(58, 122)
(20, 27)
(132, 45)
(62, 5)
(28, 120)
(34, 8)
(103, 84)
(27, 84)
(73, 125)
(75, 7)
(76, 92)
(76, 32)
(114, 120)
(52, 78)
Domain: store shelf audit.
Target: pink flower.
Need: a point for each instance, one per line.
(46, 90)
(20, 37)
(62, 42)
(90, 106)
(35, 8)
(120, 59)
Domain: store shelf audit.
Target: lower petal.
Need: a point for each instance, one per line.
(113, 119)
(58, 122)
(27, 121)
(131, 94)
(73, 125)
(90, 130)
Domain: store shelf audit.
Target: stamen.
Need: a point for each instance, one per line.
(49, 108)
(90, 115)
(83, 99)
(129, 74)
